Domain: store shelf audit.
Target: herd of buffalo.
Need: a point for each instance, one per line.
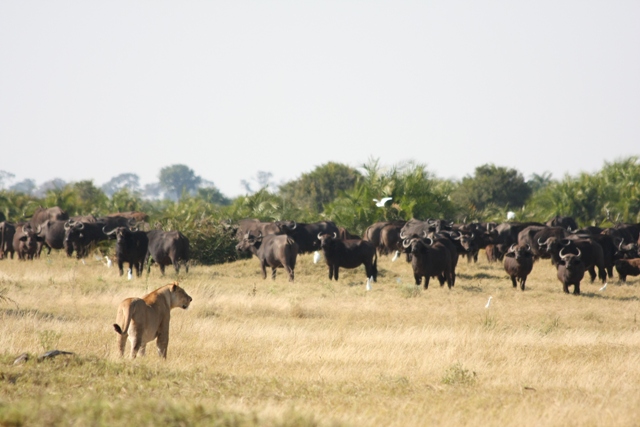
(432, 246)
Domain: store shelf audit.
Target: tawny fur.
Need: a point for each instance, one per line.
(144, 319)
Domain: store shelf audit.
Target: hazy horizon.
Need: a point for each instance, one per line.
(93, 90)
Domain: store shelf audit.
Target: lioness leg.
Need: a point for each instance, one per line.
(122, 341)
(136, 344)
(163, 342)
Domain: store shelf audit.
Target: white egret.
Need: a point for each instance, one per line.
(316, 257)
(395, 256)
(109, 262)
(604, 287)
(488, 303)
(369, 280)
(129, 275)
(511, 215)
(380, 203)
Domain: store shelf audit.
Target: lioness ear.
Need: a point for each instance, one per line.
(173, 287)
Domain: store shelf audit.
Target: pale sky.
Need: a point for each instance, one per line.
(89, 90)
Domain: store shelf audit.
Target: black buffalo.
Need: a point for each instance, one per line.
(348, 254)
(131, 247)
(7, 231)
(306, 235)
(82, 236)
(628, 267)
(373, 234)
(535, 235)
(167, 248)
(275, 251)
(26, 241)
(42, 214)
(592, 255)
(566, 222)
(570, 271)
(255, 227)
(518, 263)
(53, 233)
(429, 259)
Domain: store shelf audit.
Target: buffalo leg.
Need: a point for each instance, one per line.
(335, 272)
(441, 279)
(447, 276)
(121, 267)
(161, 268)
(576, 288)
(426, 282)
(565, 288)
(330, 272)
(176, 266)
(592, 273)
(522, 282)
(290, 271)
(263, 265)
(418, 279)
(513, 281)
(273, 273)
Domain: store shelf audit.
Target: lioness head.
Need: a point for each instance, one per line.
(179, 298)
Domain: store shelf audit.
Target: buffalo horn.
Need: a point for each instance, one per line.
(429, 240)
(79, 225)
(512, 248)
(563, 256)
(579, 253)
(319, 234)
(406, 243)
(402, 235)
(109, 233)
(295, 224)
(335, 235)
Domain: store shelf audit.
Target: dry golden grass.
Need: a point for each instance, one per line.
(315, 352)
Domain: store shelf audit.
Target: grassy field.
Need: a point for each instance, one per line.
(257, 352)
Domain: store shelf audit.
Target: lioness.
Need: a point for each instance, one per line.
(147, 318)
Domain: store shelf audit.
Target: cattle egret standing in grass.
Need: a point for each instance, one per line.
(395, 256)
(129, 275)
(316, 257)
(109, 263)
(604, 287)
(511, 215)
(380, 203)
(369, 280)
(488, 303)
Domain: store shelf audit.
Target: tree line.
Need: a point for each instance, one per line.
(337, 192)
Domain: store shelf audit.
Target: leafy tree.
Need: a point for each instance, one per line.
(538, 182)
(415, 194)
(26, 186)
(53, 184)
(125, 200)
(152, 190)
(129, 181)
(213, 195)
(491, 185)
(322, 185)
(262, 178)
(5, 178)
(178, 179)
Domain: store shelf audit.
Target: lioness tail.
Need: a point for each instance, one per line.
(117, 328)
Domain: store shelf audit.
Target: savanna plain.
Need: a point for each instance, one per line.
(316, 352)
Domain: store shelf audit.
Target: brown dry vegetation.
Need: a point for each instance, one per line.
(253, 352)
